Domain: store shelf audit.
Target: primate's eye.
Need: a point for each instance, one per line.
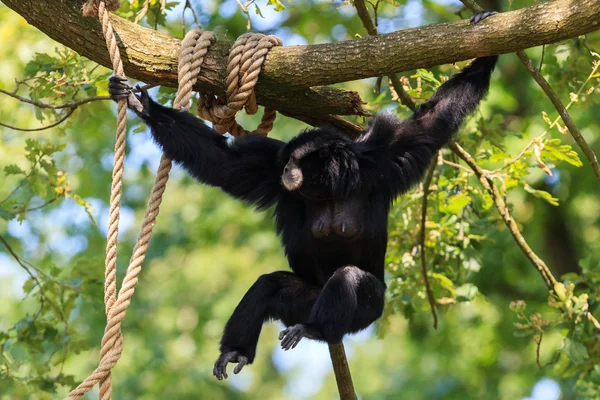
(324, 153)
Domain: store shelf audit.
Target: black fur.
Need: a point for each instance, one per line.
(334, 228)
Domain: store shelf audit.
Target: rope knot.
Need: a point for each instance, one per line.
(246, 58)
(90, 8)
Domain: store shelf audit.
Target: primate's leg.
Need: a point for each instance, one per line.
(280, 295)
(350, 301)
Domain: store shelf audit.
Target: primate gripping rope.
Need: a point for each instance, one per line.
(248, 55)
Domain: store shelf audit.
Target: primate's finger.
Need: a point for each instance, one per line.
(241, 362)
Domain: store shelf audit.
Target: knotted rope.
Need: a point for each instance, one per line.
(246, 58)
(194, 48)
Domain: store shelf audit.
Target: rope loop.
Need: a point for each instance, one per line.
(246, 58)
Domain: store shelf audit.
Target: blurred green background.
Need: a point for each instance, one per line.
(208, 249)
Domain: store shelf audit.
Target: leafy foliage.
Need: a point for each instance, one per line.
(500, 329)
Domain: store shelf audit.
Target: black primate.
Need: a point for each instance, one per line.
(331, 194)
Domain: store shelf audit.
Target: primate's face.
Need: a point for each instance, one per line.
(316, 174)
(308, 176)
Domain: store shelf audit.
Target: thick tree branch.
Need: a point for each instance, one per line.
(151, 56)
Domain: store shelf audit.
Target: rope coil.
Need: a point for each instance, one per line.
(245, 63)
(246, 58)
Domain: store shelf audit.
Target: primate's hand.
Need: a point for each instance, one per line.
(120, 89)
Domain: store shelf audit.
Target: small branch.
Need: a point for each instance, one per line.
(493, 191)
(404, 97)
(537, 351)
(455, 165)
(342, 371)
(363, 14)
(422, 235)
(60, 121)
(142, 13)
(72, 104)
(562, 111)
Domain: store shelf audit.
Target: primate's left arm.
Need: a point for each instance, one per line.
(411, 144)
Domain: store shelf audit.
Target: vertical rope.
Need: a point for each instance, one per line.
(194, 48)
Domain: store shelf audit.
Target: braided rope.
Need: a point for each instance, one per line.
(245, 63)
(246, 58)
(194, 48)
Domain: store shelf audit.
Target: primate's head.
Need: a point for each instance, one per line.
(319, 165)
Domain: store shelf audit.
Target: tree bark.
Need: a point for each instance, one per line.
(291, 74)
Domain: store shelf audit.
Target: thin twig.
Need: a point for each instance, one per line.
(537, 351)
(363, 14)
(40, 104)
(562, 111)
(142, 13)
(422, 235)
(500, 204)
(455, 165)
(60, 121)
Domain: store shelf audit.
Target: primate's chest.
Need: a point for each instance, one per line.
(335, 219)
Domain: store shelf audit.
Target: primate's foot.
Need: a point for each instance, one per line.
(480, 16)
(220, 369)
(290, 337)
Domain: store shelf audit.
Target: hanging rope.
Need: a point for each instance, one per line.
(246, 58)
(194, 48)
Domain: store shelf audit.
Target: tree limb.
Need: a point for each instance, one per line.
(343, 377)
(291, 73)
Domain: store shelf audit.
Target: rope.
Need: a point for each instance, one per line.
(246, 58)
(245, 63)
(194, 48)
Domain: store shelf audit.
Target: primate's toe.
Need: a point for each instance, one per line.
(291, 336)
(220, 368)
(241, 362)
(480, 16)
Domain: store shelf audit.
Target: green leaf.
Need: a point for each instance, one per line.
(427, 76)
(576, 351)
(541, 194)
(7, 215)
(466, 292)
(13, 170)
(278, 5)
(455, 204)
(28, 285)
(554, 150)
(37, 185)
(257, 10)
